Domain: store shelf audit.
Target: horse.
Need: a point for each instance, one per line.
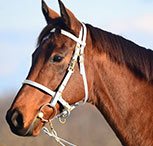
(75, 63)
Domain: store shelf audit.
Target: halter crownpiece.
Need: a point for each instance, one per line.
(78, 54)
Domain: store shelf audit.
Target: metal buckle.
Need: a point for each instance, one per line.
(63, 116)
(72, 65)
(41, 114)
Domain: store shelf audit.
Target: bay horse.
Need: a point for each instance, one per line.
(116, 76)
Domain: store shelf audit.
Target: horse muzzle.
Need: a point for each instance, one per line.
(16, 122)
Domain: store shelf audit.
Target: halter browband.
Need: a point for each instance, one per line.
(78, 54)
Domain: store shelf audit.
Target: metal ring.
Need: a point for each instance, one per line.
(63, 116)
(52, 116)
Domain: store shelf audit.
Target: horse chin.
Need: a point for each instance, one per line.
(35, 128)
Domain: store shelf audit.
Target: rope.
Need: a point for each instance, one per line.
(52, 133)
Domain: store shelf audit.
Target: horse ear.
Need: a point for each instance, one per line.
(49, 14)
(69, 19)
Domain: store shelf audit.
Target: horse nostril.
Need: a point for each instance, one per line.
(16, 119)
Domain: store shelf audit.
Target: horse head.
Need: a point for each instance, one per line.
(45, 93)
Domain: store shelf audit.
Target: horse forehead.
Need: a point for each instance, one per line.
(57, 40)
(61, 41)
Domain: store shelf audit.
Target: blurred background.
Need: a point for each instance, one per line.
(20, 25)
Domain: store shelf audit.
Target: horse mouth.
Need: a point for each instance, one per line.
(36, 126)
(18, 126)
(32, 130)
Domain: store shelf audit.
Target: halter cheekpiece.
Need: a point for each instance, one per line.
(57, 96)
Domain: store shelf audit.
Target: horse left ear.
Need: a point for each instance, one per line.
(69, 19)
(49, 14)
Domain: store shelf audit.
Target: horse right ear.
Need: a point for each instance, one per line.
(49, 14)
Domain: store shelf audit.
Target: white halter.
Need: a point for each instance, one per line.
(78, 53)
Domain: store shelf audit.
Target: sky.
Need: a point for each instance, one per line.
(22, 21)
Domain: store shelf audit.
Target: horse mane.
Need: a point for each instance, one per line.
(122, 51)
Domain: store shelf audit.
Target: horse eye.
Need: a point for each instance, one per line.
(57, 58)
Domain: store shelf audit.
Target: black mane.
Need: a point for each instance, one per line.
(138, 59)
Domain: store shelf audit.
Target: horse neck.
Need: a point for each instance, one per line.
(124, 100)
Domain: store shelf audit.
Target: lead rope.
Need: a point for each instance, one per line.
(52, 133)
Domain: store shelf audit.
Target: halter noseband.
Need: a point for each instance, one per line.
(78, 54)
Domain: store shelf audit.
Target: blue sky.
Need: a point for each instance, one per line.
(22, 21)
